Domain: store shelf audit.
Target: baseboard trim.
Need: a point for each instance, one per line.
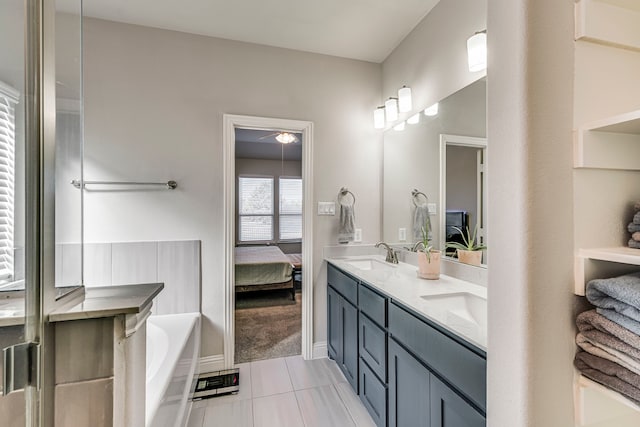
(320, 350)
(211, 363)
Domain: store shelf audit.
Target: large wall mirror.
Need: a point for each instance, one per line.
(443, 157)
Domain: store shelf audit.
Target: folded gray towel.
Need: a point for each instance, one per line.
(621, 294)
(632, 228)
(347, 228)
(609, 374)
(633, 244)
(420, 219)
(636, 218)
(601, 330)
(608, 353)
(620, 319)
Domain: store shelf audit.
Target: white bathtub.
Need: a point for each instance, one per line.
(173, 348)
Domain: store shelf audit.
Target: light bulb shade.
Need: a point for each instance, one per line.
(477, 51)
(399, 126)
(285, 138)
(391, 109)
(378, 118)
(431, 111)
(415, 119)
(404, 99)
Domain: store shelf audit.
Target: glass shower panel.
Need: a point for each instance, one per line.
(69, 137)
(12, 194)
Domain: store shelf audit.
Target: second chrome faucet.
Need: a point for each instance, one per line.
(392, 256)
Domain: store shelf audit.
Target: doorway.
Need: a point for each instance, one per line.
(268, 206)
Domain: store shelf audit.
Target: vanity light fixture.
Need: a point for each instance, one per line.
(477, 51)
(286, 138)
(431, 111)
(415, 119)
(399, 127)
(378, 118)
(404, 99)
(391, 109)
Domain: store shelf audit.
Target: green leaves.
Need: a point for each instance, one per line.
(469, 240)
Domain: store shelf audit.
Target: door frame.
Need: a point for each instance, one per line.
(230, 123)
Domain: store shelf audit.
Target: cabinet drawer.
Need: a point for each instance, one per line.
(373, 395)
(461, 367)
(450, 410)
(342, 283)
(373, 304)
(373, 346)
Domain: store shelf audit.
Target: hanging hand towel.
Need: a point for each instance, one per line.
(346, 230)
(619, 294)
(609, 374)
(420, 219)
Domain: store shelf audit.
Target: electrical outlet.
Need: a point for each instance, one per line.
(402, 234)
(432, 208)
(358, 235)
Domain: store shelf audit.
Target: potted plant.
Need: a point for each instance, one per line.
(428, 258)
(470, 251)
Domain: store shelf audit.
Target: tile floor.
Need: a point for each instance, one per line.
(285, 392)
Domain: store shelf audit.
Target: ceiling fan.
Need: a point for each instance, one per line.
(282, 137)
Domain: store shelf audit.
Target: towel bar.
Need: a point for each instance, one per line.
(171, 185)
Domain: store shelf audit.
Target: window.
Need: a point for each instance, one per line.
(8, 100)
(290, 223)
(255, 199)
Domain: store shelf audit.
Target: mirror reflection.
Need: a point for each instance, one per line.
(442, 157)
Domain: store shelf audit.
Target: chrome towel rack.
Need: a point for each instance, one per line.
(170, 185)
(343, 192)
(415, 194)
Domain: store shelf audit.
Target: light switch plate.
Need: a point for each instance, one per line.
(432, 208)
(326, 208)
(358, 235)
(402, 234)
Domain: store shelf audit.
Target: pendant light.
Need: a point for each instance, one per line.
(404, 99)
(415, 119)
(477, 51)
(391, 109)
(431, 111)
(378, 118)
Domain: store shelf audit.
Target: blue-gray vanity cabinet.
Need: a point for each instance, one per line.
(342, 324)
(373, 394)
(409, 389)
(373, 346)
(450, 410)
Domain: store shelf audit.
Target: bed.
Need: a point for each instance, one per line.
(262, 268)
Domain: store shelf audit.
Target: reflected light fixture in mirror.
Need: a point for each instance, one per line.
(391, 109)
(378, 118)
(404, 99)
(477, 51)
(399, 127)
(415, 119)
(431, 111)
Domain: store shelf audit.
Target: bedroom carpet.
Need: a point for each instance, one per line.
(268, 325)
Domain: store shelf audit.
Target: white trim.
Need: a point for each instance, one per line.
(9, 92)
(320, 350)
(230, 123)
(211, 364)
(464, 141)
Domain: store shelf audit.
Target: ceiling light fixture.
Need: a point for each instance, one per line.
(415, 119)
(431, 111)
(399, 127)
(404, 99)
(286, 138)
(391, 109)
(378, 117)
(477, 51)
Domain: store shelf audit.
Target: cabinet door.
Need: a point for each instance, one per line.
(334, 327)
(450, 410)
(408, 389)
(350, 343)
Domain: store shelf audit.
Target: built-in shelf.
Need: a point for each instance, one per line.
(612, 143)
(608, 22)
(597, 403)
(624, 259)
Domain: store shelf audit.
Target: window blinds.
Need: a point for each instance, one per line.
(255, 200)
(8, 100)
(290, 219)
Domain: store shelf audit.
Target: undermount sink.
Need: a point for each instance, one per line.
(369, 264)
(462, 310)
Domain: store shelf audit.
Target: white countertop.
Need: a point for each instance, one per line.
(401, 283)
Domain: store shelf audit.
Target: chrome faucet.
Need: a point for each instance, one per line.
(392, 256)
(417, 246)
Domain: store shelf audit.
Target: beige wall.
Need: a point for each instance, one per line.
(154, 106)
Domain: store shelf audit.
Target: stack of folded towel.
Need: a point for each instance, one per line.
(634, 228)
(609, 336)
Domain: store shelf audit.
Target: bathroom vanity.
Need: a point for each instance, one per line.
(413, 349)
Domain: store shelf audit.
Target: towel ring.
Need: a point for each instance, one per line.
(415, 194)
(343, 192)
